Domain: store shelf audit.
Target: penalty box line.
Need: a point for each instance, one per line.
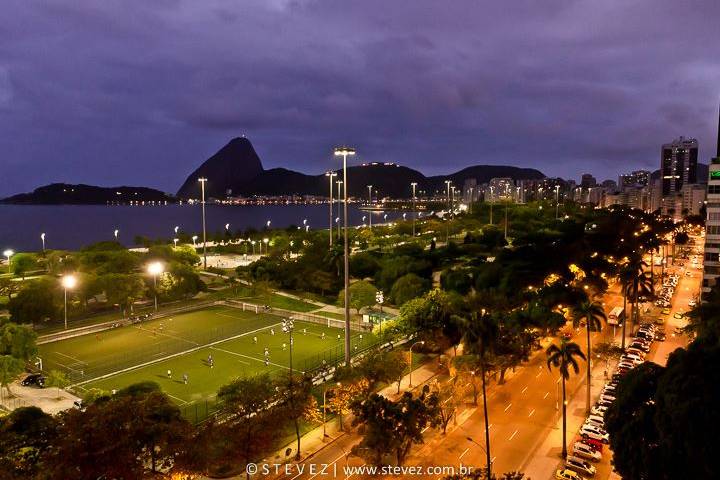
(185, 352)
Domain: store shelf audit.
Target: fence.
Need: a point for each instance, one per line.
(355, 324)
(101, 327)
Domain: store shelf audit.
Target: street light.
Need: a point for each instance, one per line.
(177, 227)
(557, 201)
(265, 241)
(447, 234)
(175, 241)
(42, 237)
(414, 198)
(344, 152)
(116, 233)
(68, 283)
(421, 342)
(194, 239)
(330, 176)
(7, 254)
(369, 187)
(203, 181)
(471, 440)
(155, 269)
(267, 224)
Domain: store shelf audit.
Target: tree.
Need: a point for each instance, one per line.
(407, 287)
(18, 341)
(22, 263)
(10, 368)
(295, 399)
(122, 289)
(341, 398)
(592, 315)
(384, 366)
(445, 401)
(35, 302)
(58, 380)
(252, 425)
(562, 357)
(393, 426)
(25, 436)
(8, 287)
(362, 294)
(480, 335)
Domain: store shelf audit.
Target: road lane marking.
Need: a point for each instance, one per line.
(539, 373)
(531, 413)
(508, 407)
(463, 454)
(513, 435)
(524, 389)
(546, 395)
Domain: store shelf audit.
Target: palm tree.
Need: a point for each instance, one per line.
(593, 314)
(625, 278)
(562, 357)
(639, 283)
(480, 334)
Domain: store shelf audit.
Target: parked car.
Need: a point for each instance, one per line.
(33, 380)
(665, 311)
(566, 474)
(597, 420)
(580, 465)
(640, 346)
(594, 432)
(660, 336)
(692, 303)
(584, 450)
(596, 444)
(598, 409)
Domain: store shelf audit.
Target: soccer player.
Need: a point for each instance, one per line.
(255, 340)
(169, 373)
(185, 378)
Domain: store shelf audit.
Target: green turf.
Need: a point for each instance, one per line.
(237, 357)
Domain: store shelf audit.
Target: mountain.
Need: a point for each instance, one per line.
(232, 166)
(67, 194)
(237, 168)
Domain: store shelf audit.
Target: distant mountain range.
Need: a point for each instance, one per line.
(66, 194)
(237, 170)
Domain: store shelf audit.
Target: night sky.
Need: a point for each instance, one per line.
(141, 91)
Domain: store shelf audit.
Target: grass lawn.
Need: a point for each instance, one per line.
(237, 357)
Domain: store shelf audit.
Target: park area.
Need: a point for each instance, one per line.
(209, 347)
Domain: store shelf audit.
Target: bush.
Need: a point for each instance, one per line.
(408, 287)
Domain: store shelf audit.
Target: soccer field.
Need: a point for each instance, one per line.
(183, 343)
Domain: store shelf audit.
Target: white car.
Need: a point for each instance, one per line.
(589, 430)
(606, 397)
(599, 410)
(692, 303)
(580, 465)
(626, 364)
(583, 450)
(633, 358)
(597, 420)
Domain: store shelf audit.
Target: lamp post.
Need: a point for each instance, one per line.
(253, 246)
(325, 390)
(194, 239)
(155, 269)
(337, 222)
(68, 283)
(470, 202)
(42, 237)
(7, 254)
(116, 233)
(176, 229)
(414, 186)
(422, 342)
(344, 152)
(489, 461)
(557, 201)
(202, 181)
(287, 326)
(447, 234)
(330, 176)
(175, 241)
(369, 187)
(492, 192)
(265, 241)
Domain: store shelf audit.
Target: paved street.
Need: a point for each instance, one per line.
(525, 431)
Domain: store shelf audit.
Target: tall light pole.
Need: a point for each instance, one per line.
(557, 201)
(330, 176)
(194, 240)
(470, 202)
(414, 186)
(7, 254)
(68, 283)
(491, 203)
(369, 187)
(339, 184)
(42, 237)
(344, 152)
(155, 269)
(116, 233)
(422, 342)
(202, 181)
(447, 233)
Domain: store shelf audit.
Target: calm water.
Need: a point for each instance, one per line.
(70, 226)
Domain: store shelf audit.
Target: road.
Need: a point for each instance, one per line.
(525, 431)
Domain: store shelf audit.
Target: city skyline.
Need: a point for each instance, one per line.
(107, 97)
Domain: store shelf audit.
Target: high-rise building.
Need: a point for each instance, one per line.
(609, 185)
(678, 165)
(711, 268)
(587, 180)
(642, 177)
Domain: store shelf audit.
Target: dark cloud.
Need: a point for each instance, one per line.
(140, 92)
